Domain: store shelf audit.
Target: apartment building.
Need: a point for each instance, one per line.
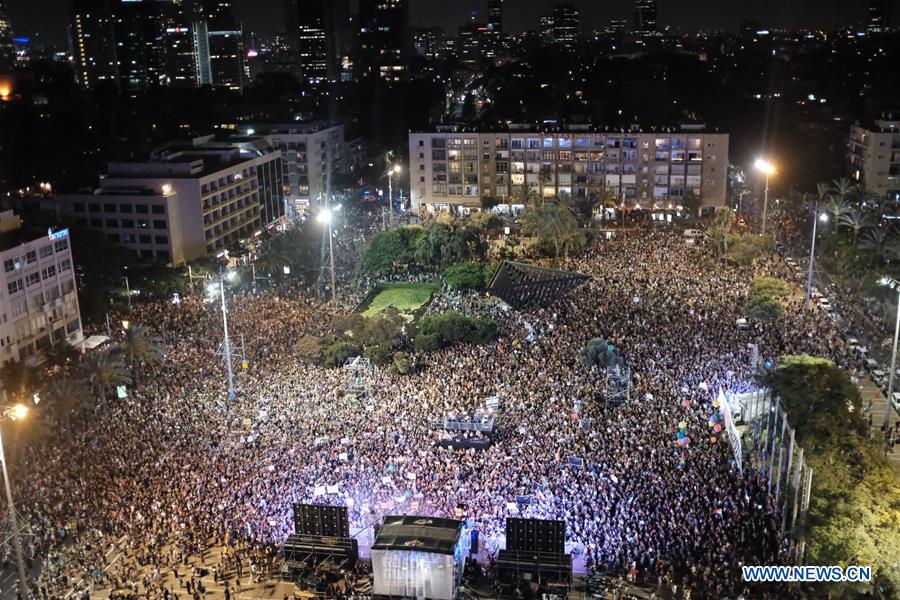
(38, 300)
(873, 152)
(458, 170)
(187, 200)
(307, 148)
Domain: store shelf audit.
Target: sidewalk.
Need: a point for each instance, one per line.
(871, 392)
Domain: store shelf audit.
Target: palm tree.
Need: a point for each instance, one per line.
(272, 261)
(836, 207)
(843, 187)
(67, 396)
(877, 241)
(62, 354)
(19, 379)
(554, 222)
(718, 231)
(106, 369)
(141, 349)
(857, 220)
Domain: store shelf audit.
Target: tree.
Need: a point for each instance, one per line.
(272, 262)
(466, 243)
(485, 221)
(554, 223)
(853, 509)
(433, 248)
(439, 331)
(394, 246)
(765, 299)
(745, 247)
(718, 230)
(140, 349)
(468, 276)
(843, 188)
(857, 220)
(62, 354)
(67, 396)
(105, 369)
(19, 379)
(692, 203)
(876, 241)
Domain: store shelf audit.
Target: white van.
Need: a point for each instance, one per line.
(693, 233)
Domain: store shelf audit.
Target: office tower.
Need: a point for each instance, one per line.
(311, 44)
(565, 24)
(7, 52)
(645, 16)
(384, 41)
(95, 42)
(142, 31)
(879, 15)
(218, 44)
(545, 27)
(495, 15)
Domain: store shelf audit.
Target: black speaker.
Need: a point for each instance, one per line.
(535, 535)
(312, 519)
(474, 549)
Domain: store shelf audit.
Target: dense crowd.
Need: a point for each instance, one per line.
(175, 470)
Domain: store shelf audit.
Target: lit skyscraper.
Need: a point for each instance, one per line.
(495, 15)
(95, 42)
(879, 15)
(565, 24)
(384, 41)
(311, 44)
(7, 52)
(645, 16)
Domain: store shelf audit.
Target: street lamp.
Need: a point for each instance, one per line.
(326, 216)
(812, 250)
(395, 170)
(220, 287)
(894, 285)
(16, 412)
(768, 169)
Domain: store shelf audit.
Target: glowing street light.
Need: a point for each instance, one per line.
(17, 412)
(767, 168)
(326, 216)
(812, 251)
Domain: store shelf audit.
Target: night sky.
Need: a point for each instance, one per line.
(50, 18)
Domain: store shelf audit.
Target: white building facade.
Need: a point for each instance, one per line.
(38, 296)
(874, 156)
(463, 171)
(184, 204)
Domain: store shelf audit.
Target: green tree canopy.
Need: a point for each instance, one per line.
(390, 247)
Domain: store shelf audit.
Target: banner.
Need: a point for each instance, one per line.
(733, 436)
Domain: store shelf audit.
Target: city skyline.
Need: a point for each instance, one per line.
(49, 19)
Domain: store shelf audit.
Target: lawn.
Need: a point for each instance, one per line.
(405, 297)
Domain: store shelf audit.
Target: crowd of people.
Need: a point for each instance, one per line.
(176, 478)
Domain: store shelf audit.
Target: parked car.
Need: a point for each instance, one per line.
(879, 377)
(815, 293)
(742, 324)
(825, 304)
(871, 364)
(895, 401)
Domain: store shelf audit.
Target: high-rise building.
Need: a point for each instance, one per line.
(495, 15)
(473, 44)
(218, 43)
(187, 200)
(873, 151)
(94, 40)
(545, 25)
(143, 31)
(879, 16)
(311, 43)
(645, 16)
(458, 171)
(7, 52)
(40, 307)
(565, 24)
(307, 149)
(384, 41)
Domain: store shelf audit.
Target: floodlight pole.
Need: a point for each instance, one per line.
(231, 393)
